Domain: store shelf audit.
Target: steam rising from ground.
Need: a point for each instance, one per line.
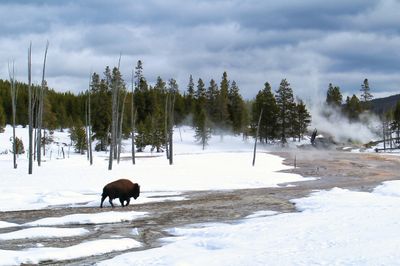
(330, 120)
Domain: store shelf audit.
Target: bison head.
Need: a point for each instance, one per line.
(135, 191)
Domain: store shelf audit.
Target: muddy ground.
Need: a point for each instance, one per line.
(356, 171)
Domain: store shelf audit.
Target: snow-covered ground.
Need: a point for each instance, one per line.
(336, 227)
(225, 164)
(85, 249)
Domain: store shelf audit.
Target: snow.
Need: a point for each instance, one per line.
(43, 232)
(7, 224)
(225, 164)
(261, 214)
(390, 188)
(91, 248)
(335, 227)
(89, 218)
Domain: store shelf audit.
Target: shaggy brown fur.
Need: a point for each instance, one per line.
(123, 189)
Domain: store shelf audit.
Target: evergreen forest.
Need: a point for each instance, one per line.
(213, 106)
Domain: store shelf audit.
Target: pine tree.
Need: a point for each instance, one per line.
(304, 119)
(353, 107)
(200, 94)
(222, 103)
(212, 101)
(101, 107)
(265, 100)
(201, 122)
(19, 146)
(285, 102)
(236, 108)
(78, 137)
(334, 97)
(366, 95)
(139, 76)
(49, 117)
(143, 134)
(189, 100)
(158, 93)
(202, 128)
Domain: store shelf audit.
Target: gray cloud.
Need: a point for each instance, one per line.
(311, 43)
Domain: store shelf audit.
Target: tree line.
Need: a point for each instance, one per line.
(354, 106)
(113, 108)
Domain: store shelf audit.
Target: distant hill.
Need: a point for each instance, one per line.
(382, 105)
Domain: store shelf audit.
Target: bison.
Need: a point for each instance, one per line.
(123, 189)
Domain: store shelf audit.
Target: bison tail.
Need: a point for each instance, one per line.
(104, 194)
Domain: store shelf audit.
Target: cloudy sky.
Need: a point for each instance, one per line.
(310, 42)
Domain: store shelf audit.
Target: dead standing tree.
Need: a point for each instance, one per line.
(14, 93)
(40, 109)
(121, 120)
(89, 125)
(133, 121)
(255, 141)
(30, 109)
(167, 96)
(116, 84)
(169, 118)
(138, 74)
(114, 121)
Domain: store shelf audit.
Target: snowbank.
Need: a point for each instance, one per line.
(89, 218)
(43, 232)
(36, 255)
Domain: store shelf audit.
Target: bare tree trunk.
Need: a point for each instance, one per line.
(113, 127)
(30, 109)
(34, 141)
(114, 123)
(40, 112)
(133, 121)
(120, 128)
(171, 129)
(44, 142)
(116, 126)
(255, 141)
(87, 128)
(384, 135)
(133, 138)
(13, 91)
(166, 127)
(116, 135)
(90, 128)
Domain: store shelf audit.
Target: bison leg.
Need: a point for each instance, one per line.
(127, 201)
(122, 201)
(112, 205)
(102, 199)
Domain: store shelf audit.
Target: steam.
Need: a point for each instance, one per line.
(331, 121)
